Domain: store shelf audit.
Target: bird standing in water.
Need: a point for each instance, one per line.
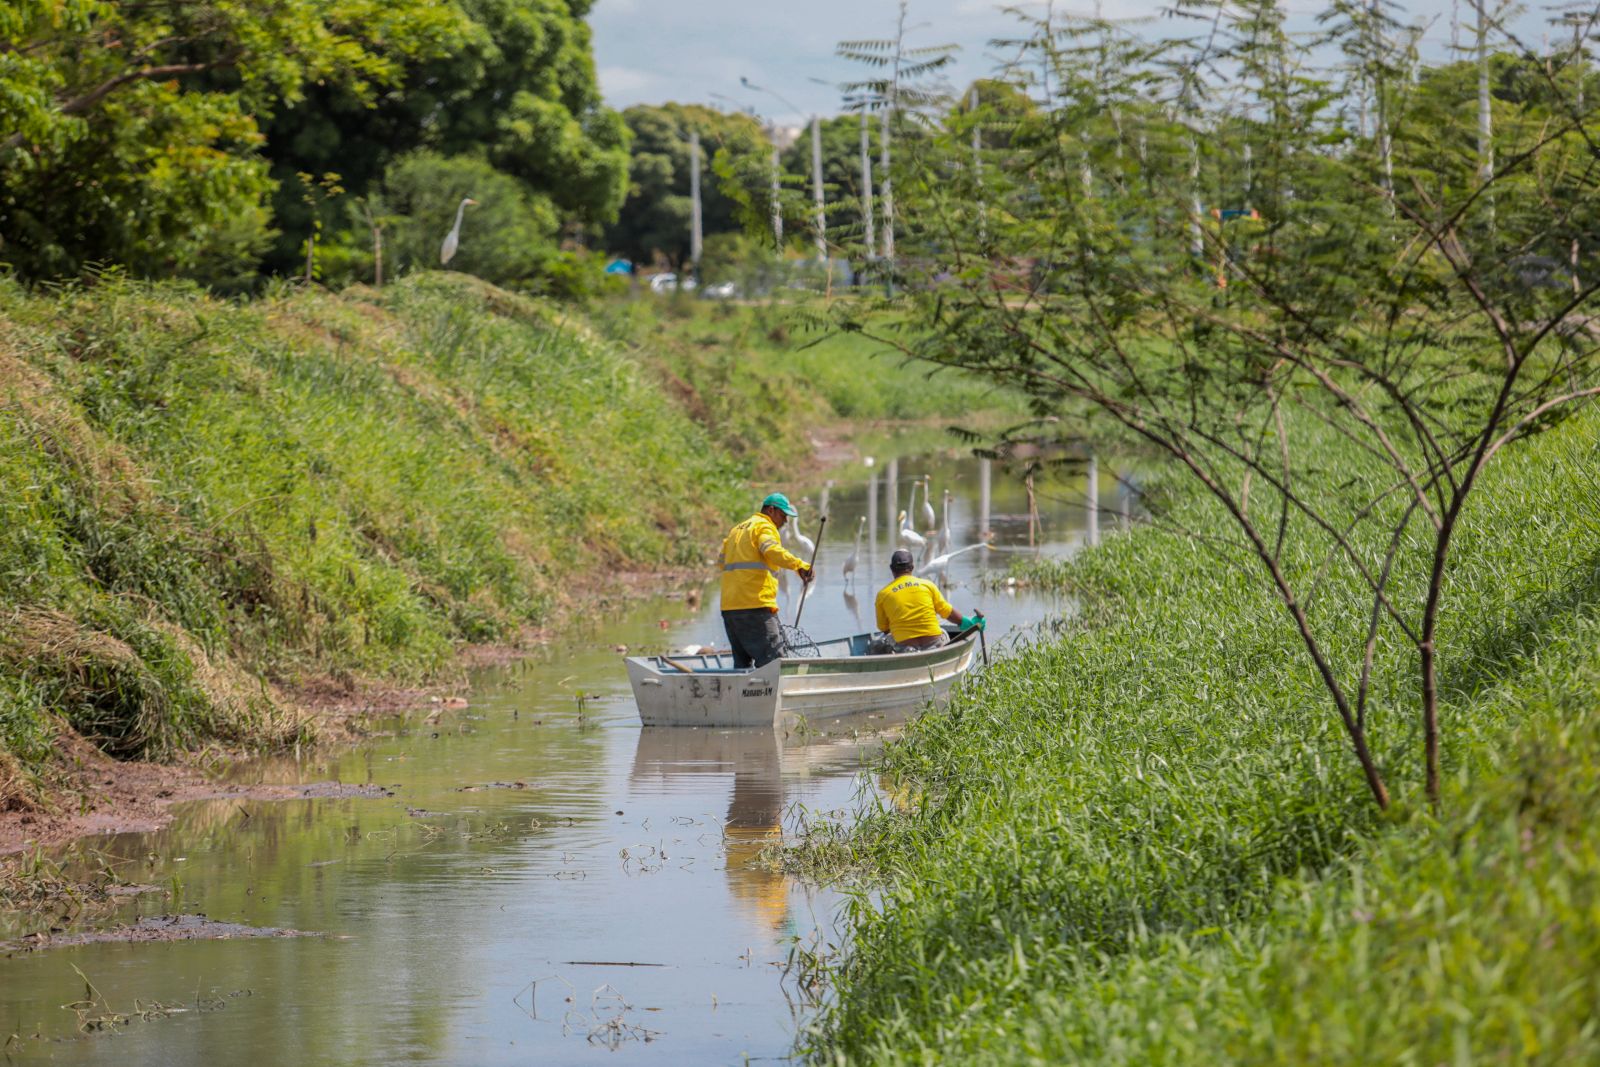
(805, 545)
(909, 538)
(452, 240)
(928, 517)
(855, 554)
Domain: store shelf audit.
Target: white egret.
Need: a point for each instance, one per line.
(909, 538)
(928, 517)
(806, 546)
(855, 553)
(452, 240)
(939, 563)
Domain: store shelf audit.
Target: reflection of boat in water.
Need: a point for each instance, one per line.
(755, 810)
(758, 761)
(706, 690)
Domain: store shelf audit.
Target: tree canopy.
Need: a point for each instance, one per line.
(167, 138)
(654, 219)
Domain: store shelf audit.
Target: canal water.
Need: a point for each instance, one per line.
(546, 882)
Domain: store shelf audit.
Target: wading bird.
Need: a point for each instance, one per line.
(849, 570)
(909, 538)
(941, 564)
(806, 546)
(452, 240)
(928, 517)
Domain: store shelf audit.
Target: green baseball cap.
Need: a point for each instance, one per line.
(781, 502)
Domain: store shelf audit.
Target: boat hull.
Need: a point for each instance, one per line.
(705, 691)
(705, 698)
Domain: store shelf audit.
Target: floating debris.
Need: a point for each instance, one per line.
(150, 928)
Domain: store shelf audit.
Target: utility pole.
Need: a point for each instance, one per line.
(887, 184)
(696, 222)
(977, 138)
(866, 183)
(778, 211)
(1197, 247)
(816, 189)
(1485, 130)
(777, 207)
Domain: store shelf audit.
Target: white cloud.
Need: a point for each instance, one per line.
(618, 82)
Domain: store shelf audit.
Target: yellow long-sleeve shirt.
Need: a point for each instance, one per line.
(751, 557)
(911, 607)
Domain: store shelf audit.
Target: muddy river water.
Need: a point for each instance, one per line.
(545, 882)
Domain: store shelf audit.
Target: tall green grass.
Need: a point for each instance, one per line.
(198, 498)
(765, 377)
(1147, 842)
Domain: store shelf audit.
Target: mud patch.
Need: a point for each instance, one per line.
(109, 797)
(313, 791)
(151, 928)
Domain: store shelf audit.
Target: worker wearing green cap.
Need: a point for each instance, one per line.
(751, 557)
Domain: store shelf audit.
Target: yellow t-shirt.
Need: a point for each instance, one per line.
(751, 556)
(911, 607)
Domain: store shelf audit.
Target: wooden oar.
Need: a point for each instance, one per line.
(675, 664)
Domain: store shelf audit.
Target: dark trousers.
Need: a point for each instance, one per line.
(922, 644)
(754, 636)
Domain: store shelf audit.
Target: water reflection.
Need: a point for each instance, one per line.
(754, 819)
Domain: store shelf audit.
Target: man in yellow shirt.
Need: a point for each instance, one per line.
(751, 557)
(909, 609)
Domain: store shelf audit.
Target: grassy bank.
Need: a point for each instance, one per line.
(767, 378)
(1147, 842)
(201, 500)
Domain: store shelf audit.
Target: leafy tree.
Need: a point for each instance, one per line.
(1391, 292)
(520, 92)
(654, 219)
(841, 158)
(508, 238)
(129, 131)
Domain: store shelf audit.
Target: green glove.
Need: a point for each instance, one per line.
(970, 621)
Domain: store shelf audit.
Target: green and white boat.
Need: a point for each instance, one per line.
(842, 678)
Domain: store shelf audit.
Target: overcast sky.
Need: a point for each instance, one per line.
(652, 51)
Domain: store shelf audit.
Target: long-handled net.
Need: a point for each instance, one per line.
(796, 642)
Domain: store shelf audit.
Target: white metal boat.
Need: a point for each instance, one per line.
(706, 689)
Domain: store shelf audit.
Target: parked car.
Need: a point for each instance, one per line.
(667, 281)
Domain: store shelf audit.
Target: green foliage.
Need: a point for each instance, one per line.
(504, 239)
(197, 497)
(519, 92)
(168, 140)
(761, 380)
(131, 135)
(841, 158)
(1139, 842)
(654, 219)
